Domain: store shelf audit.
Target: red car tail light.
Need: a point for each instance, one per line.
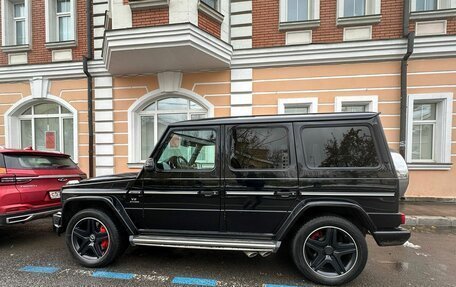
(402, 218)
(7, 179)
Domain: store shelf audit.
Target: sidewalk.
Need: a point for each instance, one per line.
(438, 214)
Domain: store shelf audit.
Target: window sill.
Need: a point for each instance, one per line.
(429, 166)
(146, 4)
(136, 165)
(16, 48)
(360, 20)
(58, 45)
(211, 12)
(298, 25)
(434, 14)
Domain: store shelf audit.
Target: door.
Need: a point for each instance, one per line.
(343, 161)
(183, 191)
(260, 177)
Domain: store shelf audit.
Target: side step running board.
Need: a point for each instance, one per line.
(205, 243)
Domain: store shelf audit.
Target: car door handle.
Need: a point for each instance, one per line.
(285, 193)
(208, 193)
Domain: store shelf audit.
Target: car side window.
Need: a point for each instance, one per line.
(259, 148)
(188, 150)
(339, 147)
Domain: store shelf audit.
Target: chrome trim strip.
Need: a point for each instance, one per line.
(252, 210)
(89, 192)
(333, 193)
(169, 192)
(250, 193)
(47, 176)
(205, 243)
(182, 209)
(28, 217)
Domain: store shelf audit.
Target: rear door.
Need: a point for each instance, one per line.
(39, 176)
(260, 177)
(343, 160)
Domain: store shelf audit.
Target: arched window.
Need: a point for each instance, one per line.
(46, 125)
(155, 116)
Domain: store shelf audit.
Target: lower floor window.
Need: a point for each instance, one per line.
(423, 134)
(155, 118)
(429, 128)
(353, 108)
(47, 126)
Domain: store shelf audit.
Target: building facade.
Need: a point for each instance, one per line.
(153, 62)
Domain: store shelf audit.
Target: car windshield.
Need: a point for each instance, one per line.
(21, 161)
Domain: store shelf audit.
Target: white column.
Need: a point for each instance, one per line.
(241, 24)
(104, 126)
(241, 92)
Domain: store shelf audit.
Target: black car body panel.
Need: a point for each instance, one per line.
(232, 201)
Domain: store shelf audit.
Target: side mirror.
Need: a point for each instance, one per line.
(149, 165)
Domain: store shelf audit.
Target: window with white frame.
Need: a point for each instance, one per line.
(358, 8)
(299, 10)
(60, 20)
(153, 119)
(298, 106)
(356, 104)
(211, 3)
(15, 22)
(432, 5)
(429, 122)
(47, 126)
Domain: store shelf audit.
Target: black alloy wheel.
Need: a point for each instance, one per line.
(94, 239)
(329, 250)
(90, 238)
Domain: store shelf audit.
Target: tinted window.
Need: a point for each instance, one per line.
(2, 161)
(189, 150)
(38, 162)
(259, 148)
(339, 147)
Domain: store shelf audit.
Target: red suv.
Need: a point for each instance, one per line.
(30, 183)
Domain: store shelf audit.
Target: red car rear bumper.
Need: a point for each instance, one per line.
(28, 215)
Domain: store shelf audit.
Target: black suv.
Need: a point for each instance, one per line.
(319, 182)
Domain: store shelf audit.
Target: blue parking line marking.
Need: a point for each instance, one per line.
(39, 269)
(277, 285)
(113, 275)
(194, 281)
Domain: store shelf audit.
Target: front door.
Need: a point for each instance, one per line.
(183, 192)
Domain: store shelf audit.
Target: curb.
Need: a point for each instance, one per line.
(437, 221)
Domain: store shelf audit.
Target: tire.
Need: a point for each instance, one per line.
(93, 238)
(329, 250)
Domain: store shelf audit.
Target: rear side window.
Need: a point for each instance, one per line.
(259, 148)
(2, 162)
(329, 147)
(21, 161)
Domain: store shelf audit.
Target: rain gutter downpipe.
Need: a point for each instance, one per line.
(410, 36)
(89, 84)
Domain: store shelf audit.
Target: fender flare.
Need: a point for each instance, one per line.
(304, 206)
(111, 202)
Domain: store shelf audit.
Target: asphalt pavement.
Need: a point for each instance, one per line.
(32, 255)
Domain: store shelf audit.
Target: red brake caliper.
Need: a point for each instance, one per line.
(105, 242)
(316, 235)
